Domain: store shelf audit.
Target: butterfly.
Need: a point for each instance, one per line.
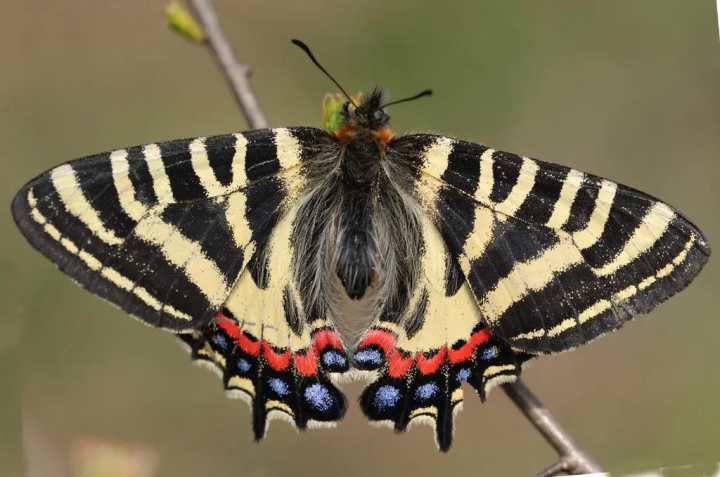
(288, 258)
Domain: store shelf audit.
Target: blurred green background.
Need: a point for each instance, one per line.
(624, 89)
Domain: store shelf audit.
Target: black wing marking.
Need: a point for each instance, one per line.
(555, 257)
(163, 230)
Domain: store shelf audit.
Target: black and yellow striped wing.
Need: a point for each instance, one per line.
(164, 230)
(555, 257)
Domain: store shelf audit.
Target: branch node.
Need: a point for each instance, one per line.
(180, 20)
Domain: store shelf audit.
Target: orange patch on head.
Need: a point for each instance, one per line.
(384, 135)
(345, 133)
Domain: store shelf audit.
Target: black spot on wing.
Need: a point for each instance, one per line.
(99, 189)
(292, 316)
(454, 278)
(506, 170)
(662, 252)
(264, 206)
(220, 153)
(463, 167)
(417, 319)
(140, 177)
(204, 223)
(263, 210)
(184, 182)
(50, 206)
(583, 205)
(314, 143)
(566, 296)
(258, 267)
(395, 306)
(261, 158)
(408, 151)
(146, 266)
(454, 217)
(626, 215)
(513, 242)
(538, 205)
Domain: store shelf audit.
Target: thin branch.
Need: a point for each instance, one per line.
(236, 73)
(572, 458)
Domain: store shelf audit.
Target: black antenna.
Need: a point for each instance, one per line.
(306, 49)
(427, 92)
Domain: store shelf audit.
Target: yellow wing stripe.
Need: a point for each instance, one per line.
(186, 255)
(205, 173)
(652, 227)
(288, 148)
(73, 199)
(568, 192)
(521, 189)
(112, 275)
(527, 277)
(600, 306)
(438, 325)
(435, 157)
(592, 232)
(161, 182)
(485, 185)
(124, 187)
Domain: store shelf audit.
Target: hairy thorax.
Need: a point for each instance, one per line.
(364, 237)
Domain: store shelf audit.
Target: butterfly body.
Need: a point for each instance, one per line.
(284, 256)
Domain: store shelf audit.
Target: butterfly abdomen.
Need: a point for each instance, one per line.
(356, 247)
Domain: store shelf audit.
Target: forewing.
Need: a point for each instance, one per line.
(555, 257)
(163, 230)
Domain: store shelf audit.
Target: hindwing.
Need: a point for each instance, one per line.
(439, 342)
(555, 257)
(266, 349)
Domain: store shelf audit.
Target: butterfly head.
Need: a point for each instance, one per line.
(369, 113)
(358, 117)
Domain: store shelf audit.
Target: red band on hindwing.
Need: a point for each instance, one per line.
(465, 352)
(277, 361)
(399, 363)
(304, 361)
(323, 338)
(432, 364)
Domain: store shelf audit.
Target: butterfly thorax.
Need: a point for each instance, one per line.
(364, 231)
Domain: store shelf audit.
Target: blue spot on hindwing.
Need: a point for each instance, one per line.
(319, 397)
(489, 353)
(333, 358)
(426, 391)
(463, 375)
(369, 357)
(278, 386)
(220, 341)
(386, 397)
(243, 365)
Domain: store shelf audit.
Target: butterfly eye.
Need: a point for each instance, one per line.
(379, 115)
